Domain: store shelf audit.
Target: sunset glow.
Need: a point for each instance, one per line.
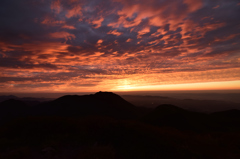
(119, 45)
(227, 85)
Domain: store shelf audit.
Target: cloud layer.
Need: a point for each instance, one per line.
(66, 45)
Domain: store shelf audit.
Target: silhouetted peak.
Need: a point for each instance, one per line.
(99, 97)
(68, 97)
(70, 100)
(107, 95)
(100, 93)
(101, 103)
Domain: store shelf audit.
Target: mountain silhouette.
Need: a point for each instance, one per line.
(112, 105)
(168, 115)
(101, 103)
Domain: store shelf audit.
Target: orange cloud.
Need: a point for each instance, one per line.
(114, 32)
(72, 46)
(129, 40)
(75, 11)
(56, 6)
(69, 27)
(52, 22)
(217, 6)
(65, 35)
(193, 5)
(97, 22)
(144, 31)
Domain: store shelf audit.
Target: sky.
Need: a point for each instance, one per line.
(119, 45)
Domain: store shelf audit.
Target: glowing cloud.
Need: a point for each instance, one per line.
(64, 45)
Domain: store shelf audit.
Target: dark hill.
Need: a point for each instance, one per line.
(101, 104)
(115, 101)
(171, 116)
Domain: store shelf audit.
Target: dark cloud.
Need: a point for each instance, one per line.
(15, 63)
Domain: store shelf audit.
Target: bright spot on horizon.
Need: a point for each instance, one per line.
(224, 85)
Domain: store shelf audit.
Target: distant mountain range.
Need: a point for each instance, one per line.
(167, 115)
(112, 105)
(205, 106)
(26, 99)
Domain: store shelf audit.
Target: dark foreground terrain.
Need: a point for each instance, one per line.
(105, 126)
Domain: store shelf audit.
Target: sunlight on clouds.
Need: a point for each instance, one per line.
(180, 81)
(119, 45)
(124, 85)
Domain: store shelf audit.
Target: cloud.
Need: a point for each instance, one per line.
(74, 40)
(63, 34)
